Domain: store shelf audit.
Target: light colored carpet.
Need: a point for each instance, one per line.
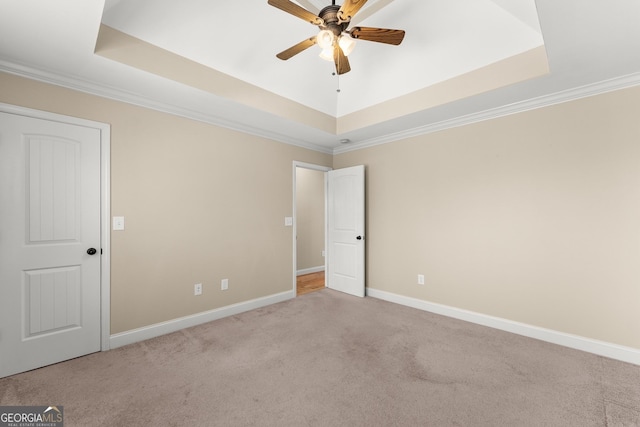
(329, 359)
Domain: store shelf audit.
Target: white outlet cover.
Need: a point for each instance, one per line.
(288, 221)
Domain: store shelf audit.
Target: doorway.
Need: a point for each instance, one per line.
(344, 225)
(309, 238)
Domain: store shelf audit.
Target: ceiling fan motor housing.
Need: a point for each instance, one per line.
(330, 17)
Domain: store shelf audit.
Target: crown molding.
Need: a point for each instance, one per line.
(586, 91)
(117, 94)
(128, 97)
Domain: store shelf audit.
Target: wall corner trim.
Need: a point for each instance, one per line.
(600, 348)
(163, 328)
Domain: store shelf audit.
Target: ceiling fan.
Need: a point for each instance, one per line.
(334, 38)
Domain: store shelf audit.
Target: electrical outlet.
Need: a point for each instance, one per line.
(197, 289)
(224, 284)
(420, 279)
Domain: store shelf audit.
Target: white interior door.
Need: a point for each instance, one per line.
(50, 218)
(345, 230)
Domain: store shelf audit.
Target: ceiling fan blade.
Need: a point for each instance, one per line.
(341, 61)
(296, 10)
(380, 35)
(296, 49)
(348, 10)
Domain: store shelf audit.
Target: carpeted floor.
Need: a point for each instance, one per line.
(329, 359)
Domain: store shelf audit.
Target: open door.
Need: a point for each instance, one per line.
(345, 230)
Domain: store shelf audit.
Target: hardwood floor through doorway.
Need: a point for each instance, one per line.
(310, 282)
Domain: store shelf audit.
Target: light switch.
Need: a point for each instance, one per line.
(118, 223)
(288, 221)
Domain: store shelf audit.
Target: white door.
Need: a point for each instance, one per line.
(345, 237)
(49, 221)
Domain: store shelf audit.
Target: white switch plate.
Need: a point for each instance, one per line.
(118, 223)
(224, 284)
(288, 221)
(420, 279)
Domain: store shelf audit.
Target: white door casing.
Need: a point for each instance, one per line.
(50, 210)
(345, 230)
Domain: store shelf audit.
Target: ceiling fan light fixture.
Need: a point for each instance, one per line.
(327, 54)
(334, 36)
(346, 43)
(325, 39)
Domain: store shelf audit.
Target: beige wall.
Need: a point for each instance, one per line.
(533, 217)
(309, 218)
(201, 203)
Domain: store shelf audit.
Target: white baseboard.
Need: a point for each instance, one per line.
(601, 348)
(309, 270)
(152, 331)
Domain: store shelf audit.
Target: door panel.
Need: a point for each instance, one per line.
(52, 300)
(53, 179)
(345, 207)
(50, 210)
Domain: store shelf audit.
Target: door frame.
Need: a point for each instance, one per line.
(105, 205)
(319, 168)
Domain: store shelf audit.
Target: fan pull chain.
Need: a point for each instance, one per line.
(338, 94)
(338, 80)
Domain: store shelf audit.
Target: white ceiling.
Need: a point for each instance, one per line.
(443, 39)
(591, 46)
